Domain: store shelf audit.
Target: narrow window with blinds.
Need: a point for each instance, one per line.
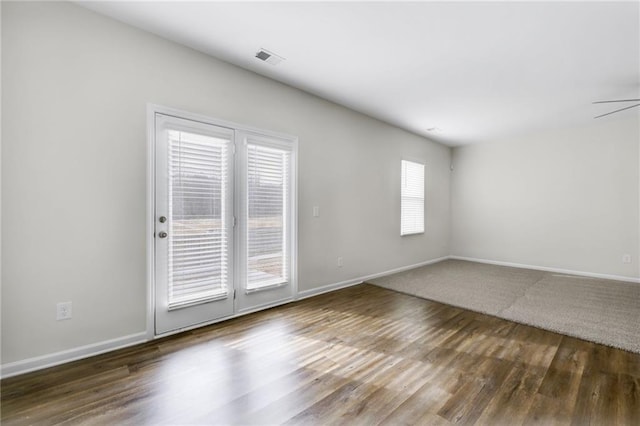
(411, 198)
(197, 238)
(268, 198)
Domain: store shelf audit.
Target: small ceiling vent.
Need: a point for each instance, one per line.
(269, 57)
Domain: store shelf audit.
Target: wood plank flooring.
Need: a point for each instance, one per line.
(359, 356)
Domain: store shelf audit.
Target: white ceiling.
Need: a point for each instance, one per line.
(475, 70)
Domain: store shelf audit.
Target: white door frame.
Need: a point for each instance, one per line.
(152, 109)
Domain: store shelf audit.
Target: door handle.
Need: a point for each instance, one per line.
(162, 234)
(162, 219)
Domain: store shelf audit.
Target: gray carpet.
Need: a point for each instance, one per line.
(602, 311)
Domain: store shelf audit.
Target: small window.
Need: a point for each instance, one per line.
(411, 198)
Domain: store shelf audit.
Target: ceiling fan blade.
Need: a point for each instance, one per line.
(621, 100)
(618, 110)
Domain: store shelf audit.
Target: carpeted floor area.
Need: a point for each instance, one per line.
(602, 311)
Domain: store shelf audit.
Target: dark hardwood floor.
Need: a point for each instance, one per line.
(362, 355)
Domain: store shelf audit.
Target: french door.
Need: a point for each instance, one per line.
(224, 221)
(265, 267)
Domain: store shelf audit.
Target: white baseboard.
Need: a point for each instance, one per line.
(327, 288)
(57, 358)
(50, 360)
(359, 280)
(404, 268)
(547, 269)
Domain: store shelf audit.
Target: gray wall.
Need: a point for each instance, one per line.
(564, 199)
(75, 90)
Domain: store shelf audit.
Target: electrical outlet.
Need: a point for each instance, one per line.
(63, 311)
(626, 258)
(340, 262)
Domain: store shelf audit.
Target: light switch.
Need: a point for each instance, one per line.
(316, 211)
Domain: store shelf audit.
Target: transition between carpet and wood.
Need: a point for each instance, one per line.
(598, 310)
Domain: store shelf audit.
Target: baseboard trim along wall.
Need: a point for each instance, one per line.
(63, 357)
(51, 360)
(45, 361)
(327, 288)
(404, 268)
(359, 280)
(547, 269)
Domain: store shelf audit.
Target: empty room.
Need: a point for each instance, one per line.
(320, 213)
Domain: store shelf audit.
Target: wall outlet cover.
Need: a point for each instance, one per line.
(63, 311)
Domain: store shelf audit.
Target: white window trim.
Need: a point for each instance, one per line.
(423, 164)
(152, 109)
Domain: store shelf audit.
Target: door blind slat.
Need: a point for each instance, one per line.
(198, 240)
(267, 197)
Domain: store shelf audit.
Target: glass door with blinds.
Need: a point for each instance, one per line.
(224, 220)
(193, 223)
(266, 246)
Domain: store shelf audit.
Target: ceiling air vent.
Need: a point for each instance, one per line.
(269, 57)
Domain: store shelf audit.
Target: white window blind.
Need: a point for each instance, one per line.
(268, 198)
(198, 240)
(412, 198)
